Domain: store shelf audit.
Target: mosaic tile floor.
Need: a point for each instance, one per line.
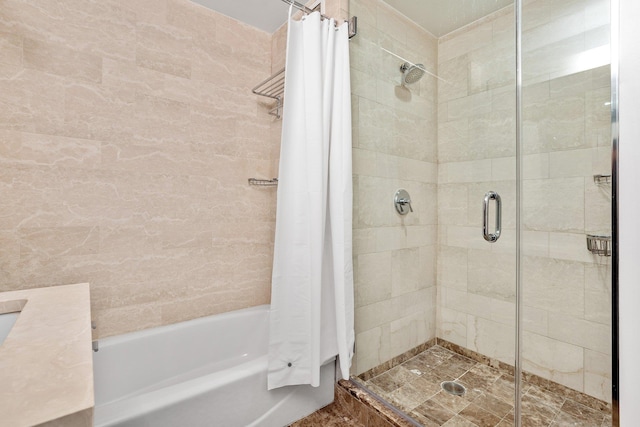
(414, 387)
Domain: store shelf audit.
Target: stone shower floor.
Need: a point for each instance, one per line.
(414, 387)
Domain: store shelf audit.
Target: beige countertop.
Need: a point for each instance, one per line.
(46, 361)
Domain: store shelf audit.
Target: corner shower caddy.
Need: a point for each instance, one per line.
(273, 86)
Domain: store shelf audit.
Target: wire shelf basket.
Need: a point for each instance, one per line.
(599, 245)
(263, 182)
(602, 179)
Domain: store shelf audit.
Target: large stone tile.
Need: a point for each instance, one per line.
(373, 347)
(433, 411)
(554, 285)
(374, 278)
(555, 360)
(452, 271)
(583, 333)
(492, 275)
(60, 60)
(554, 205)
(597, 375)
(452, 326)
(479, 416)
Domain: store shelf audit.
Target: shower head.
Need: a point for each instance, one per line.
(411, 73)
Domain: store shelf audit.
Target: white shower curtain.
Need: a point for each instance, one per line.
(312, 283)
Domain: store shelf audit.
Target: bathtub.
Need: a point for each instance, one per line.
(208, 372)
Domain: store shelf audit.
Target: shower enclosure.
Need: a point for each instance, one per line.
(499, 278)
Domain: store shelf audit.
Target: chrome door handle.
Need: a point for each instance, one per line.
(492, 237)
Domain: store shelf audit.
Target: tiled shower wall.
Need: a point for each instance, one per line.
(394, 147)
(566, 127)
(128, 131)
(476, 153)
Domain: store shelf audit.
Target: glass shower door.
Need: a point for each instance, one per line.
(436, 289)
(566, 211)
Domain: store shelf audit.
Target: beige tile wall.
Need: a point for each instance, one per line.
(395, 147)
(127, 133)
(127, 141)
(566, 141)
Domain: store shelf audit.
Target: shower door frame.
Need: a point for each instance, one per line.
(615, 141)
(517, 406)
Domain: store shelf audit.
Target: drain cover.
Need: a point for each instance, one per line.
(453, 387)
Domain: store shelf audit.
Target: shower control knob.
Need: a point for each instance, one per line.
(406, 202)
(401, 200)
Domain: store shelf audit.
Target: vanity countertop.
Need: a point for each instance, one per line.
(46, 361)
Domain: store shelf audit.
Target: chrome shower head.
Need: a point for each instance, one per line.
(411, 73)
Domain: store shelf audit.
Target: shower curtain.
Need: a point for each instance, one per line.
(311, 317)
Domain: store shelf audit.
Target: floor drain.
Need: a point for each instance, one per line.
(453, 387)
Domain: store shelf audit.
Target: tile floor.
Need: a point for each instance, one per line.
(353, 407)
(329, 416)
(414, 387)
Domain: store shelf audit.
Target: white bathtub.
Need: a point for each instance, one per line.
(205, 372)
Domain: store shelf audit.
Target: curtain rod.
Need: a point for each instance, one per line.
(353, 21)
(302, 7)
